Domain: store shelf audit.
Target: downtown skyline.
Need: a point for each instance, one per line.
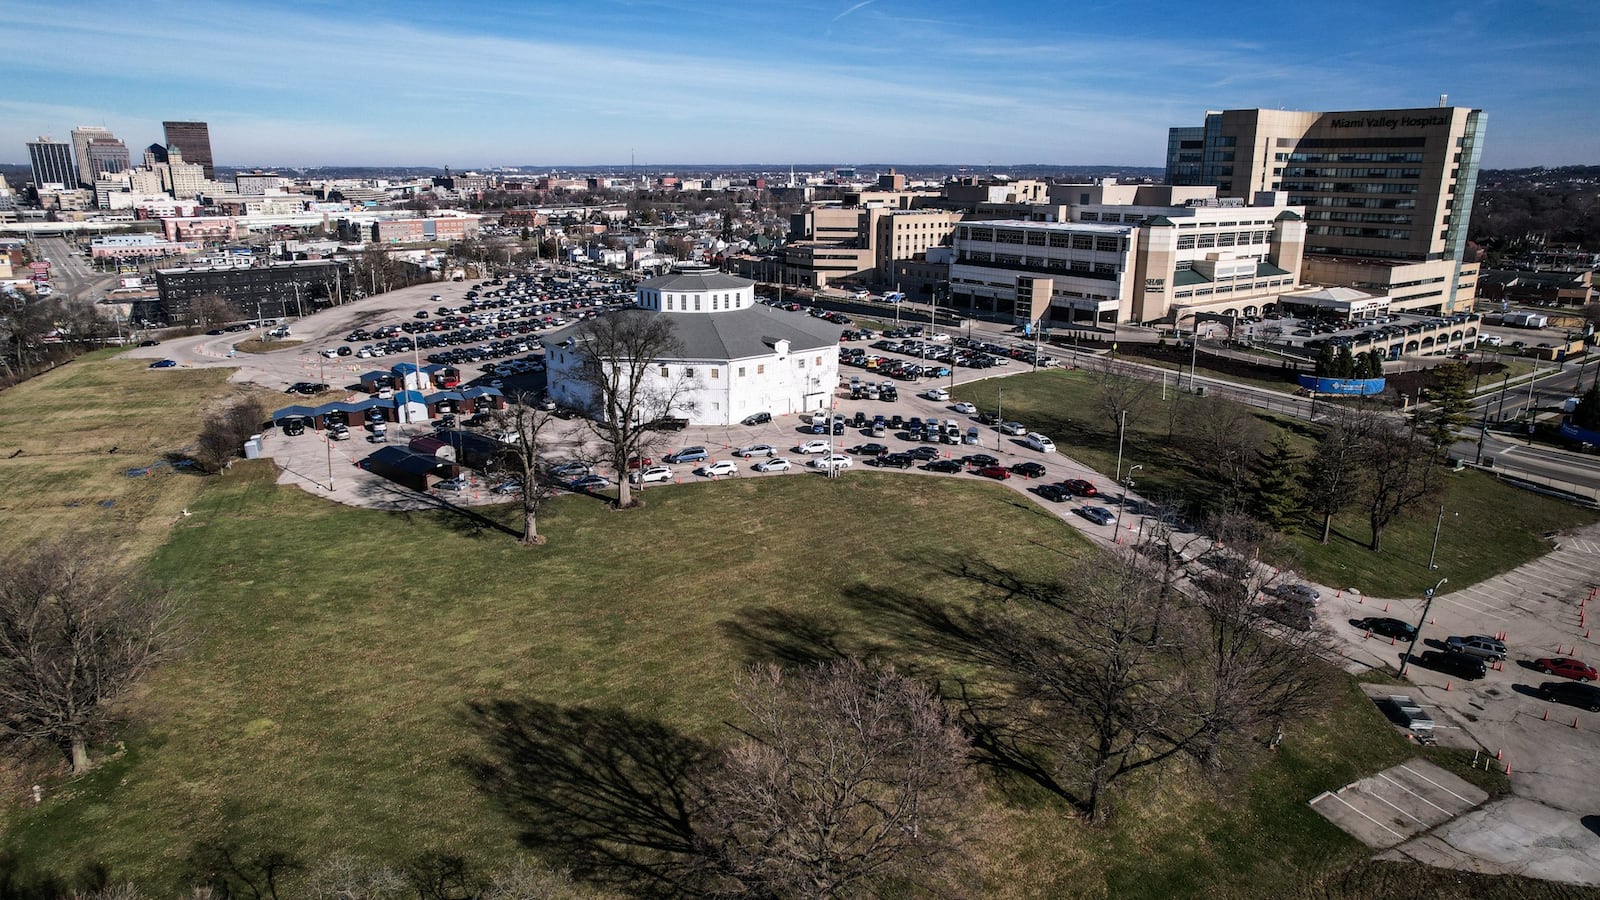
(670, 83)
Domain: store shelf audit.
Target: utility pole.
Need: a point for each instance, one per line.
(1417, 632)
(1500, 413)
(1437, 527)
(1122, 428)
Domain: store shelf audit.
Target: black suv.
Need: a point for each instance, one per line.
(1572, 693)
(1453, 663)
(896, 460)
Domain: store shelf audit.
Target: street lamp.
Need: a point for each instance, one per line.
(1437, 527)
(1122, 427)
(1127, 485)
(1417, 632)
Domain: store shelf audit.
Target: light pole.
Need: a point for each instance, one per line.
(1437, 527)
(1417, 632)
(1122, 427)
(1127, 486)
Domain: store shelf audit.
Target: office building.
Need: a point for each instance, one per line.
(81, 136)
(194, 139)
(1131, 253)
(276, 290)
(103, 156)
(1387, 193)
(52, 163)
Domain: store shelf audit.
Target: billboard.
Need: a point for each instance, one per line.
(1354, 387)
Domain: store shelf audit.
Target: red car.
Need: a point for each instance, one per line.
(1080, 487)
(639, 462)
(999, 473)
(1566, 668)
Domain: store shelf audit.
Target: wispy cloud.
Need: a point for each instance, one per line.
(853, 8)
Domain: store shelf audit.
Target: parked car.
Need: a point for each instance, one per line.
(1028, 469)
(1452, 663)
(964, 408)
(339, 432)
(1039, 442)
(895, 461)
(1096, 514)
(149, 343)
(923, 453)
(938, 395)
(590, 483)
(650, 473)
(1572, 693)
(164, 364)
(687, 455)
(294, 426)
(944, 465)
(1080, 487)
(998, 473)
(1565, 667)
(1292, 615)
(569, 470)
(760, 418)
(719, 469)
(454, 485)
(1296, 593)
(775, 464)
(810, 447)
(507, 487)
(1055, 493)
(1387, 627)
(755, 450)
(980, 460)
(869, 450)
(836, 461)
(1477, 645)
(1016, 429)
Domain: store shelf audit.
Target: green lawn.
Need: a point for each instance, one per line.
(1489, 527)
(325, 703)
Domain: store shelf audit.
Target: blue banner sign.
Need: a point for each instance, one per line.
(1355, 387)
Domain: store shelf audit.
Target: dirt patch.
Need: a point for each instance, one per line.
(254, 345)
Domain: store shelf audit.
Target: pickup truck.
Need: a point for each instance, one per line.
(668, 423)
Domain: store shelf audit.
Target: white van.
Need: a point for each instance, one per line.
(1039, 442)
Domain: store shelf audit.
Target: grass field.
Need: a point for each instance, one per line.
(1489, 527)
(69, 438)
(325, 703)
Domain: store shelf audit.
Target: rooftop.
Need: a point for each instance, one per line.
(692, 277)
(736, 333)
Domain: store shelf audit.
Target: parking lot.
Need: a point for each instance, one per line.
(1388, 808)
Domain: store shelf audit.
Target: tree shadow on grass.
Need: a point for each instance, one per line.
(610, 795)
(792, 637)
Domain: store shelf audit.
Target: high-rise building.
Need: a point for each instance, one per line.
(194, 139)
(1387, 193)
(105, 156)
(81, 136)
(52, 163)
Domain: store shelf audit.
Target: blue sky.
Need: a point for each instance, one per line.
(774, 81)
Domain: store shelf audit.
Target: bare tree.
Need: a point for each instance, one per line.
(628, 385)
(211, 310)
(1245, 674)
(1122, 396)
(853, 782)
(526, 425)
(75, 633)
(1400, 473)
(1224, 438)
(224, 433)
(1091, 688)
(1334, 471)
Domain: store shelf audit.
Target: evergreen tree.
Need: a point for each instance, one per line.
(1279, 496)
(1327, 359)
(1375, 360)
(1587, 415)
(1361, 370)
(1345, 366)
(1450, 395)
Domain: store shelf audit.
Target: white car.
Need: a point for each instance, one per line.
(938, 395)
(719, 469)
(1039, 442)
(775, 464)
(329, 353)
(810, 447)
(966, 409)
(1014, 428)
(649, 474)
(755, 450)
(836, 461)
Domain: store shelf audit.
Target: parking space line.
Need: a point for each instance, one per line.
(1436, 784)
(1385, 802)
(1363, 815)
(1385, 777)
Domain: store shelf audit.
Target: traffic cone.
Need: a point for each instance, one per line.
(1508, 768)
(1498, 753)
(1546, 716)
(1447, 685)
(1367, 636)
(1386, 606)
(1574, 721)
